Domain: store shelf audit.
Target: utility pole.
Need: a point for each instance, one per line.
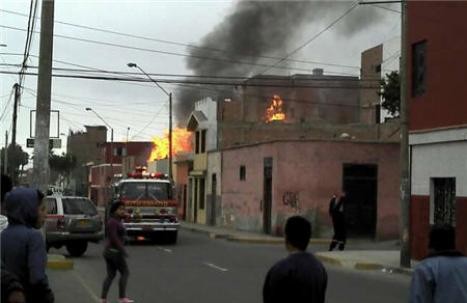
(44, 85)
(16, 86)
(5, 155)
(170, 114)
(404, 155)
(170, 137)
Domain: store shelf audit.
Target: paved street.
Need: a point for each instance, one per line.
(200, 269)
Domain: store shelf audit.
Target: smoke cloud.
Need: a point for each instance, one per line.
(257, 29)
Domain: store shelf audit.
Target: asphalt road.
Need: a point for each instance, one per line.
(200, 269)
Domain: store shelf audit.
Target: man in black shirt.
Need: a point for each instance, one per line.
(300, 277)
(337, 213)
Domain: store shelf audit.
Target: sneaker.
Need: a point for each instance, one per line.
(125, 300)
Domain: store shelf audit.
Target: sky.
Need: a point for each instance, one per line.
(143, 107)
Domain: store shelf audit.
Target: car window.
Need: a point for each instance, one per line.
(51, 204)
(78, 206)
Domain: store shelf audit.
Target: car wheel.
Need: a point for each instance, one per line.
(77, 249)
(172, 237)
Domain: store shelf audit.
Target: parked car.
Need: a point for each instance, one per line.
(72, 222)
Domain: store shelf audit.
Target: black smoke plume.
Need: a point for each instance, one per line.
(256, 30)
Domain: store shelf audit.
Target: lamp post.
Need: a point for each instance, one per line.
(134, 65)
(111, 139)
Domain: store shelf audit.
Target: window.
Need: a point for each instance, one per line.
(419, 68)
(51, 206)
(197, 143)
(378, 68)
(201, 193)
(203, 141)
(120, 151)
(145, 190)
(78, 206)
(242, 173)
(443, 209)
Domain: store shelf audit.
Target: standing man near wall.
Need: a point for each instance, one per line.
(336, 211)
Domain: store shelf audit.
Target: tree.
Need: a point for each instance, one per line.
(16, 160)
(390, 92)
(63, 166)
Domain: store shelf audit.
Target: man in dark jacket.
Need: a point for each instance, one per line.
(442, 276)
(300, 277)
(22, 245)
(336, 211)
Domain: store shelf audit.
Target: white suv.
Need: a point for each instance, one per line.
(73, 222)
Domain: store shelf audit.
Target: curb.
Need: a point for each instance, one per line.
(255, 240)
(368, 266)
(364, 265)
(59, 262)
(329, 260)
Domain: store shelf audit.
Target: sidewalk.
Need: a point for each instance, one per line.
(367, 255)
(381, 260)
(215, 232)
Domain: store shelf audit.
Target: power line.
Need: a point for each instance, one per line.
(356, 84)
(7, 104)
(180, 43)
(166, 52)
(312, 38)
(27, 47)
(79, 106)
(180, 83)
(264, 77)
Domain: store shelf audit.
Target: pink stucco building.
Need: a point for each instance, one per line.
(265, 183)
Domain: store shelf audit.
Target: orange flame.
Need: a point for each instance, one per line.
(274, 111)
(181, 142)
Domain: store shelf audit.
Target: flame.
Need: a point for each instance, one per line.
(181, 142)
(274, 111)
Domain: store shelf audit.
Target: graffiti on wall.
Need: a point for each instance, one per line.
(290, 199)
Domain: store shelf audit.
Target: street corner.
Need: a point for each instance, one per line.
(59, 262)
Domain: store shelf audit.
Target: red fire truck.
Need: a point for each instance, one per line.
(151, 205)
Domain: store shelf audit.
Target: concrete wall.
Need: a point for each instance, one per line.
(439, 160)
(311, 172)
(305, 98)
(209, 109)
(437, 154)
(235, 134)
(370, 73)
(214, 167)
(443, 103)
(182, 170)
(85, 146)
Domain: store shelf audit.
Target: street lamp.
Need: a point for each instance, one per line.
(111, 138)
(134, 65)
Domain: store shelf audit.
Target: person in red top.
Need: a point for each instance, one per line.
(115, 254)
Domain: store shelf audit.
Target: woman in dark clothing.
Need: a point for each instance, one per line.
(22, 246)
(115, 254)
(336, 211)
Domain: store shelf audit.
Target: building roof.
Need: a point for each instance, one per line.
(195, 118)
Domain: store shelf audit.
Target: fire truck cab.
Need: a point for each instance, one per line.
(150, 204)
